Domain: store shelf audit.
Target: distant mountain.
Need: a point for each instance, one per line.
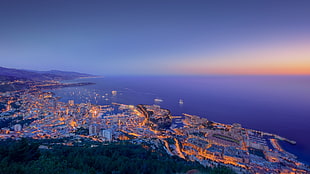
(9, 74)
(64, 75)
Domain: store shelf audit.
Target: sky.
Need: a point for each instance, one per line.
(157, 37)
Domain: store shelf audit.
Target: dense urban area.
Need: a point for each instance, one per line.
(35, 122)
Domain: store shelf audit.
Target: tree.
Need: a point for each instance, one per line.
(23, 151)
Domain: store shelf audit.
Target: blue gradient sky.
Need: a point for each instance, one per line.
(157, 37)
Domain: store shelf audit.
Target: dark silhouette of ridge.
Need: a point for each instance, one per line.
(9, 74)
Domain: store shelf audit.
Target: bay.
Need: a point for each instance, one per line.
(274, 104)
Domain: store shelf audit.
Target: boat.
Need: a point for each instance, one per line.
(181, 102)
(158, 100)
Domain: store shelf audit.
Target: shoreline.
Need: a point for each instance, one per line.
(90, 77)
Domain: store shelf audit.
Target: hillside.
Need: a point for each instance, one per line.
(25, 156)
(10, 74)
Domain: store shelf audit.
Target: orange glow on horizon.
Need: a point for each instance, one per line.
(291, 58)
(249, 71)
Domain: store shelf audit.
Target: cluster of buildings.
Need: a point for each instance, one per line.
(40, 115)
(243, 149)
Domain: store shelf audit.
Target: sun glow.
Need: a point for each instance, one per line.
(278, 59)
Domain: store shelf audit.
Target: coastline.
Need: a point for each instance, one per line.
(104, 87)
(90, 77)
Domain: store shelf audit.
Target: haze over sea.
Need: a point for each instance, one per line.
(274, 104)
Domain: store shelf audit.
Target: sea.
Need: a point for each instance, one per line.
(274, 104)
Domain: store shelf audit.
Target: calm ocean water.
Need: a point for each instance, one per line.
(275, 104)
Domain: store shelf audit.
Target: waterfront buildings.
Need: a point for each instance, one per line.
(40, 115)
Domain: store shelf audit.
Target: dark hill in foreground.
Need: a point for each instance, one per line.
(24, 156)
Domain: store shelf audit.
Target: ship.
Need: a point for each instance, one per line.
(181, 102)
(158, 100)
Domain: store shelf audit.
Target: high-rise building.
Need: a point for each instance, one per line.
(71, 102)
(92, 130)
(107, 134)
(17, 127)
(8, 106)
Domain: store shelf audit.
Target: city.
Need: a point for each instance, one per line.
(155, 87)
(38, 114)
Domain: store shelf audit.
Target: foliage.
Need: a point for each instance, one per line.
(24, 156)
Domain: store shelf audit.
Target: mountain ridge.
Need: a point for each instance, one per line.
(9, 74)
